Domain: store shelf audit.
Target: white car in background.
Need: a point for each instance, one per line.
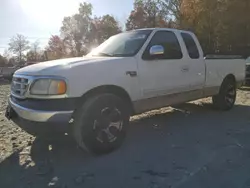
(247, 80)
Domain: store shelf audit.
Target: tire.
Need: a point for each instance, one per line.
(100, 124)
(225, 100)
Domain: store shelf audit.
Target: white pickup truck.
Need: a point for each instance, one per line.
(92, 97)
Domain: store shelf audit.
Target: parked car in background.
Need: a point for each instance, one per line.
(247, 80)
(93, 97)
(7, 72)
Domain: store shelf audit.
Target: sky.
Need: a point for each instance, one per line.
(39, 19)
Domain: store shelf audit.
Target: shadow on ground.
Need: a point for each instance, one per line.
(192, 146)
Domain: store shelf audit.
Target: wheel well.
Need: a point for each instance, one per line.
(230, 77)
(112, 89)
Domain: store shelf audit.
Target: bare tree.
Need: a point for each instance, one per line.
(35, 47)
(19, 44)
(7, 54)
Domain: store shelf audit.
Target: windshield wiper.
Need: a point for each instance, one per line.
(121, 55)
(103, 54)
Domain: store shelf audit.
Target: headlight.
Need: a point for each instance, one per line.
(48, 87)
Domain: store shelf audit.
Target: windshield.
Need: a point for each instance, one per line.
(122, 45)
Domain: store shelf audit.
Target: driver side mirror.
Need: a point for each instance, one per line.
(156, 50)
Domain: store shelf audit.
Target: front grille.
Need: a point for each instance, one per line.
(19, 86)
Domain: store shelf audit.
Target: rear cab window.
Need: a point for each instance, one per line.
(191, 46)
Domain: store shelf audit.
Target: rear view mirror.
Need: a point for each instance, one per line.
(156, 50)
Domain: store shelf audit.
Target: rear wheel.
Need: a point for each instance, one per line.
(225, 100)
(100, 124)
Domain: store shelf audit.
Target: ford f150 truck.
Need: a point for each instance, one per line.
(93, 97)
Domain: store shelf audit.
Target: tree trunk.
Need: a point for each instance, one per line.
(20, 57)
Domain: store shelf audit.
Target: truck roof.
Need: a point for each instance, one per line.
(164, 29)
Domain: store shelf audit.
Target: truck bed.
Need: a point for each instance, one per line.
(216, 69)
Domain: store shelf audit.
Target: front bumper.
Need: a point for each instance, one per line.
(40, 115)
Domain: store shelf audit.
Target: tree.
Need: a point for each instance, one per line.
(109, 26)
(33, 54)
(137, 17)
(148, 13)
(3, 61)
(56, 48)
(35, 47)
(221, 26)
(6, 54)
(236, 22)
(174, 8)
(18, 45)
(71, 35)
(75, 29)
(82, 31)
(102, 28)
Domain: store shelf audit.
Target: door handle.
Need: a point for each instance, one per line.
(131, 73)
(185, 69)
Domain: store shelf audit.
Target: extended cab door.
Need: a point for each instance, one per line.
(193, 55)
(166, 73)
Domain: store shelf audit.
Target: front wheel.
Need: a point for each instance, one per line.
(100, 124)
(225, 100)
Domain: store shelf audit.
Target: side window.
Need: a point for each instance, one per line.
(191, 46)
(168, 41)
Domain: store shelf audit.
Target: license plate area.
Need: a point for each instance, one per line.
(10, 113)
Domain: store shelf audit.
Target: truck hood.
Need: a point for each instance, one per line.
(56, 66)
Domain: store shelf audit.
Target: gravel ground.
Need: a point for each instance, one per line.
(192, 146)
